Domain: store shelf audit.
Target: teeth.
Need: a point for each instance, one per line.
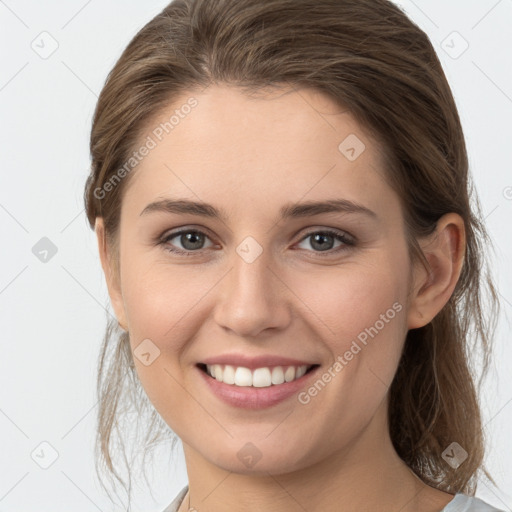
(259, 378)
(228, 376)
(277, 375)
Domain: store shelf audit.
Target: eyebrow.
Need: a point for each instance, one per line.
(292, 210)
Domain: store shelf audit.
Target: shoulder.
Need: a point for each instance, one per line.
(173, 507)
(464, 503)
(460, 503)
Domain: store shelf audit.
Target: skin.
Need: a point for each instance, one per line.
(249, 156)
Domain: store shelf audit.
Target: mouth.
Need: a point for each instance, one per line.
(264, 377)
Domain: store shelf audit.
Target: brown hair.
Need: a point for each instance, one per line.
(368, 56)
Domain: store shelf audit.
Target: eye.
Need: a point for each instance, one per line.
(192, 240)
(324, 241)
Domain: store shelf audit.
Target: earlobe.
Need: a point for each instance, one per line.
(110, 270)
(432, 289)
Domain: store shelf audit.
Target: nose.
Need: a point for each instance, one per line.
(252, 298)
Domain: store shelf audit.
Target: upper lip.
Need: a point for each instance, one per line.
(255, 361)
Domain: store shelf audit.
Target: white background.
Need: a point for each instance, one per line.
(53, 314)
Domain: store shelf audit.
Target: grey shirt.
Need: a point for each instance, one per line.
(460, 503)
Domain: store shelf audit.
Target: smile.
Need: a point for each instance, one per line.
(259, 377)
(258, 388)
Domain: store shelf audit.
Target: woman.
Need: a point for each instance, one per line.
(280, 193)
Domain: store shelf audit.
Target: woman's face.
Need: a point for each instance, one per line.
(263, 273)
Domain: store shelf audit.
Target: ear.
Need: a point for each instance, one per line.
(111, 270)
(444, 251)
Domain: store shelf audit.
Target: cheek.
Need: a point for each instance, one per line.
(161, 299)
(359, 314)
(164, 305)
(349, 300)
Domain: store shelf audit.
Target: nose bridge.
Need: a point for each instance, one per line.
(252, 297)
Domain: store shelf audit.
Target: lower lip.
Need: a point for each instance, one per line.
(255, 398)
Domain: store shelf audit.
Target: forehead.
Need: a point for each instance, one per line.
(222, 144)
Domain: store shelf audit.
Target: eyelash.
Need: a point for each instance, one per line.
(347, 240)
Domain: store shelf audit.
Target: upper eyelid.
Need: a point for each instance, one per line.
(179, 231)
